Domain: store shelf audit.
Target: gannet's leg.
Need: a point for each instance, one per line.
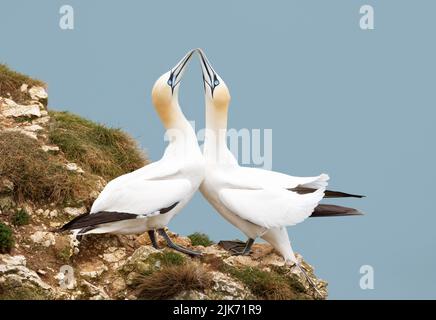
(174, 246)
(152, 236)
(294, 260)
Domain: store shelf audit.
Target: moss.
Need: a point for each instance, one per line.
(10, 291)
(166, 258)
(268, 285)
(200, 239)
(21, 218)
(6, 238)
(103, 151)
(38, 176)
(64, 254)
(11, 81)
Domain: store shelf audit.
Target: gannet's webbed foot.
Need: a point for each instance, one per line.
(176, 247)
(152, 235)
(237, 248)
(311, 283)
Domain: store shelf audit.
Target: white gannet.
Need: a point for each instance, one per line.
(147, 199)
(260, 203)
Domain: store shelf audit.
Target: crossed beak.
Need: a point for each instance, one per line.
(177, 72)
(209, 76)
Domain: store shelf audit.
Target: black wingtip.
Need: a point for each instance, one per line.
(327, 194)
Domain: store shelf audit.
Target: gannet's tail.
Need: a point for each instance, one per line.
(330, 210)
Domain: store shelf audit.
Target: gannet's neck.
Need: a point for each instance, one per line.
(215, 141)
(179, 132)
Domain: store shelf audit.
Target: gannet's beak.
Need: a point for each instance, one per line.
(210, 78)
(176, 73)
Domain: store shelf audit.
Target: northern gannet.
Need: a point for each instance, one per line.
(147, 199)
(260, 203)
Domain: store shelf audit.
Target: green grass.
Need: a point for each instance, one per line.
(38, 176)
(11, 81)
(167, 258)
(200, 239)
(103, 151)
(21, 218)
(6, 238)
(268, 285)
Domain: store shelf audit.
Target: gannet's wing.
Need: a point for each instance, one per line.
(132, 199)
(255, 178)
(140, 196)
(278, 179)
(270, 208)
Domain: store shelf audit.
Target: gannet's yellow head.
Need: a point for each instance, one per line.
(215, 88)
(165, 90)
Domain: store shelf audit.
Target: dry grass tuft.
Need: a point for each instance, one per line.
(169, 281)
(37, 175)
(11, 81)
(103, 151)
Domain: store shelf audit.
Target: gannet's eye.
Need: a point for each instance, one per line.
(170, 81)
(216, 82)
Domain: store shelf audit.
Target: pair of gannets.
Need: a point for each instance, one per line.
(260, 203)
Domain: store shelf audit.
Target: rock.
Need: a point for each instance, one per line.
(191, 295)
(6, 185)
(38, 93)
(93, 269)
(6, 203)
(22, 131)
(55, 224)
(95, 292)
(53, 213)
(50, 148)
(11, 109)
(33, 128)
(46, 213)
(19, 282)
(244, 261)
(73, 167)
(137, 262)
(24, 87)
(43, 238)
(43, 120)
(74, 212)
(227, 288)
(114, 254)
(118, 284)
